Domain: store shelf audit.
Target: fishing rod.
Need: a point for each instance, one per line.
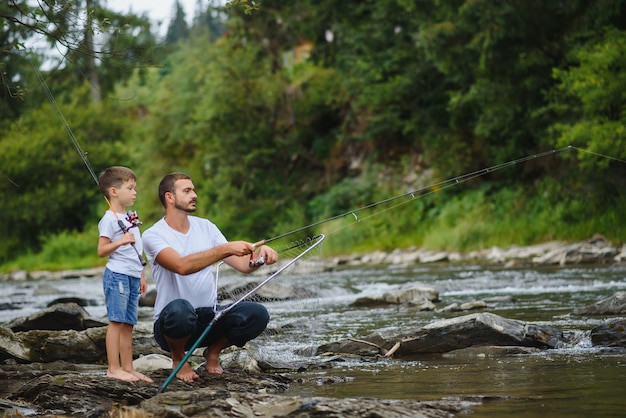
(427, 190)
(131, 217)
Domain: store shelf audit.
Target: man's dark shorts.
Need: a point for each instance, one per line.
(242, 323)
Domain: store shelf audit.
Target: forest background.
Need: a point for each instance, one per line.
(290, 113)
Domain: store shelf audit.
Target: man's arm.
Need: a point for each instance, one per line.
(236, 250)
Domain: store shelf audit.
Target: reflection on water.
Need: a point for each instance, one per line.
(561, 385)
(576, 381)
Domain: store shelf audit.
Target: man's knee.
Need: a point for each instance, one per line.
(249, 322)
(263, 315)
(178, 319)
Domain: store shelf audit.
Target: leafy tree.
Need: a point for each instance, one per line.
(244, 131)
(89, 43)
(591, 103)
(50, 187)
(178, 28)
(502, 55)
(594, 117)
(395, 98)
(12, 64)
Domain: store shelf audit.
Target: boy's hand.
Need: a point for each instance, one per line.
(127, 238)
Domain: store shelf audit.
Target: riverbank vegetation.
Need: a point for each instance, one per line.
(297, 113)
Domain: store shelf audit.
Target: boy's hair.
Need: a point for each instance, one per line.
(114, 177)
(167, 184)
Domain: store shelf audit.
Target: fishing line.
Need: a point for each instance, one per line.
(608, 157)
(11, 181)
(66, 126)
(434, 188)
(83, 154)
(424, 191)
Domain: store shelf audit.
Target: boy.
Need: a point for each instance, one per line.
(123, 279)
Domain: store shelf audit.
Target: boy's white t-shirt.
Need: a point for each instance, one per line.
(124, 260)
(198, 288)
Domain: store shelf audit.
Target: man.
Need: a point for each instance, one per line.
(182, 249)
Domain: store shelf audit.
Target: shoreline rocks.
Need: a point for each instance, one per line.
(41, 376)
(596, 250)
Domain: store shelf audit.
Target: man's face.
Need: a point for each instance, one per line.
(185, 195)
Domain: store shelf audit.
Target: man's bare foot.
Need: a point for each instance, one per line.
(214, 368)
(212, 361)
(140, 376)
(186, 373)
(122, 375)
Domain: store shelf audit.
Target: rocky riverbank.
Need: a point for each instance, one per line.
(596, 250)
(53, 362)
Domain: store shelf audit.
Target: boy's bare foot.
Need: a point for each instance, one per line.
(122, 375)
(186, 373)
(140, 376)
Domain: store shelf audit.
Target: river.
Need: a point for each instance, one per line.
(576, 381)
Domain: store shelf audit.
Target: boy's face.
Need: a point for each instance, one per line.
(126, 194)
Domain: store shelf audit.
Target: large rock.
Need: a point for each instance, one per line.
(593, 251)
(415, 295)
(610, 334)
(90, 394)
(65, 331)
(614, 305)
(479, 329)
(44, 346)
(61, 316)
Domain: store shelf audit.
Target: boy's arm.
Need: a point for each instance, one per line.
(143, 285)
(106, 247)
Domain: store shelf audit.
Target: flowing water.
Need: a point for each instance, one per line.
(575, 381)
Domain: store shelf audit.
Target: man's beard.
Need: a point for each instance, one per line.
(188, 210)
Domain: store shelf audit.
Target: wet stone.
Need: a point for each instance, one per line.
(59, 390)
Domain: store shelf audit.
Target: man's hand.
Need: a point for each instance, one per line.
(240, 248)
(268, 253)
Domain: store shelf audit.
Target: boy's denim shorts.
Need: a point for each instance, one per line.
(121, 296)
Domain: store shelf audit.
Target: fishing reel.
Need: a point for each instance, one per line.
(133, 219)
(256, 263)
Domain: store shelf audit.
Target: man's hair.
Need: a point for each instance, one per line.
(167, 184)
(114, 177)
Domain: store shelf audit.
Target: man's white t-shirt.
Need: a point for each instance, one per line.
(124, 260)
(198, 288)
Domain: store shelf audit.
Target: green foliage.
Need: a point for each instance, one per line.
(305, 110)
(248, 6)
(12, 64)
(594, 90)
(63, 251)
(178, 28)
(50, 187)
(479, 219)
